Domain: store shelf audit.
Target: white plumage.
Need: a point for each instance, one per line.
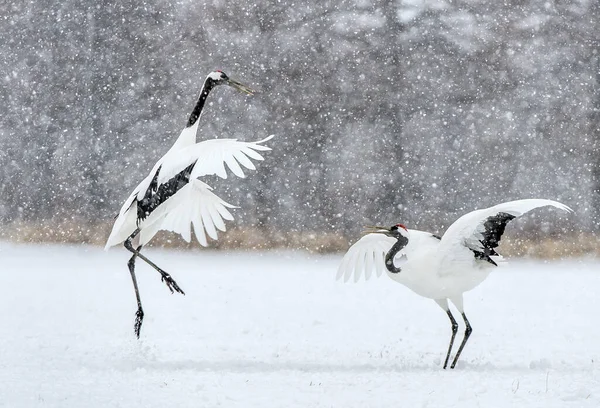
(439, 269)
(172, 197)
(195, 203)
(366, 256)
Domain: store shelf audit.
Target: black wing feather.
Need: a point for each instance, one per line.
(158, 194)
(494, 227)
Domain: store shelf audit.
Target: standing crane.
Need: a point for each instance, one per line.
(172, 197)
(437, 268)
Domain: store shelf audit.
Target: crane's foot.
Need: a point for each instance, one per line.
(446, 365)
(454, 362)
(170, 282)
(137, 326)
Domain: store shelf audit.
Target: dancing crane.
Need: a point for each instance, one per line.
(172, 197)
(437, 268)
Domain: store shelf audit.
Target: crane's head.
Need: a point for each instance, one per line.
(221, 78)
(395, 231)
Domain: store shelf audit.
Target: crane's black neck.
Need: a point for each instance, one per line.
(389, 258)
(208, 86)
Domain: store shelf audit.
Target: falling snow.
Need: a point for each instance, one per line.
(440, 107)
(412, 111)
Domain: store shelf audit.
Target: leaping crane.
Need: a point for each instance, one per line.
(172, 197)
(437, 268)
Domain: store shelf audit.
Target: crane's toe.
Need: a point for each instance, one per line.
(171, 284)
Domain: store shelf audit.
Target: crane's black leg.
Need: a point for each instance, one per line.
(169, 281)
(468, 331)
(454, 330)
(139, 315)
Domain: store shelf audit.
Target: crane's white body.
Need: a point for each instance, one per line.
(194, 204)
(172, 197)
(444, 268)
(423, 271)
(434, 268)
(436, 278)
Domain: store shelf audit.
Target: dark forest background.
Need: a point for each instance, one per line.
(411, 111)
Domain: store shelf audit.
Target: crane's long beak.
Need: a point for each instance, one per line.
(375, 229)
(239, 86)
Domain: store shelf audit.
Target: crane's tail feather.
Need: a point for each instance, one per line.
(125, 223)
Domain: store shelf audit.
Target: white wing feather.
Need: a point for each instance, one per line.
(211, 156)
(467, 230)
(367, 255)
(195, 203)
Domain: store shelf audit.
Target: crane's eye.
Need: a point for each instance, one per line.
(394, 228)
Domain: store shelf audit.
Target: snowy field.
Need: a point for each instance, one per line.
(275, 329)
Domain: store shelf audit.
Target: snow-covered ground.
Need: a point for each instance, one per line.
(274, 329)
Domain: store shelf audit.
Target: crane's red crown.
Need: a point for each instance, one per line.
(402, 226)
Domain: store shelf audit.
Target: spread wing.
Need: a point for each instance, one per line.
(480, 231)
(367, 255)
(194, 205)
(205, 158)
(171, 197)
